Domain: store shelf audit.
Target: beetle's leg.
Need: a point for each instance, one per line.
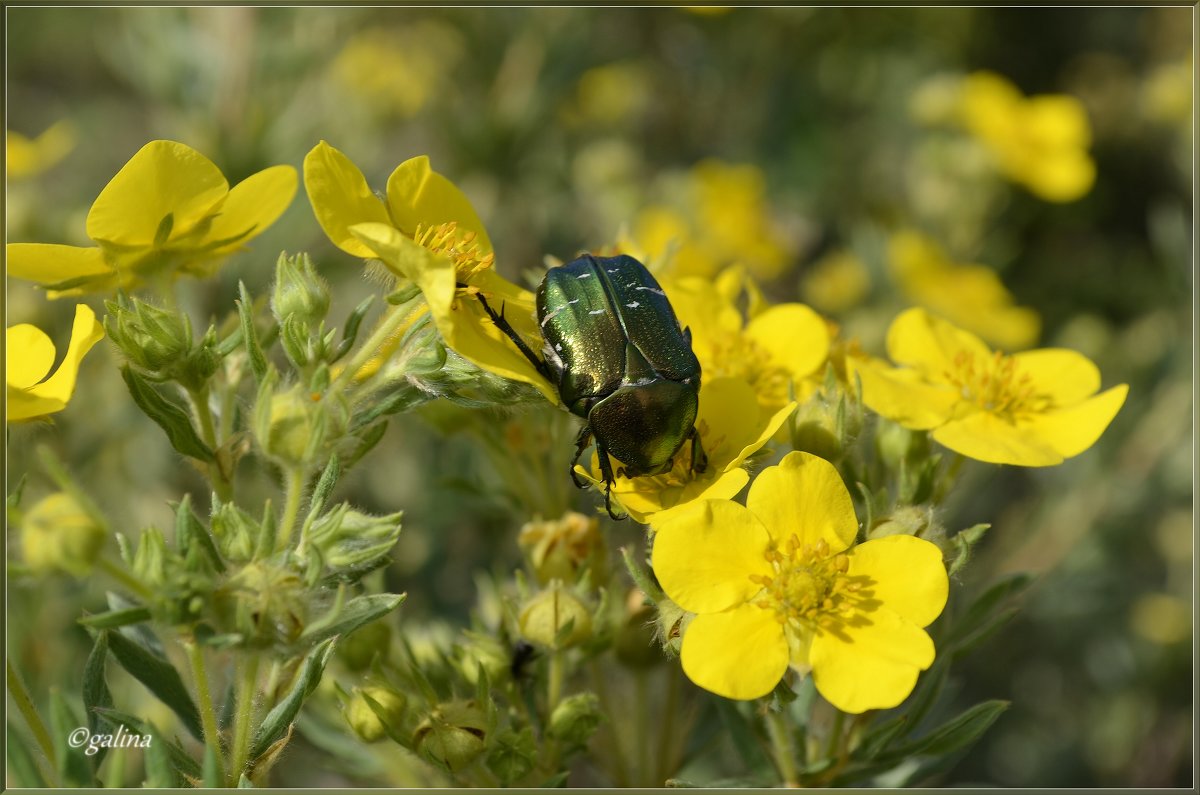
(607, 472)
(538, 363)
(581, 442)
(699, 459)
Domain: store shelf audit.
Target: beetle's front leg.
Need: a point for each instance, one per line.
(606, 472)
(506, 327)
(581, 442)
(699, 459)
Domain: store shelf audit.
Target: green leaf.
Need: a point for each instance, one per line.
(254, 351)
(965, 542)
(74, 769)
(512, 755)
(953, 735)
(20, 695)
(159, 677)
(22, 766)
(741, 732)
(180, 760)
(877, 740)
(280, 718)
(350, 331)
(170, 417)
(329, 478)
(366, 442)
(116, 618)
(556, 781)
(210, 777)
(642, 577)
(979, 616)
(190, 532)
(96, 692)
(160, 772)
(359, 611)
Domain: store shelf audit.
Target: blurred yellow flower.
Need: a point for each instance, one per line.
(1040, 142)
(1030, 409)
(1167, 93)
(29, 354)
(169, 211)
(397, 72)
(836, 282)
(25, 157)
(610, 95)
(968, 295)
(776, 584)
(427, 232)
(718, 216)
(59, 534)
(776, 350)
(732, 427)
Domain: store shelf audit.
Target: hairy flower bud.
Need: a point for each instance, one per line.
(559, 549)
(556, 618)
(360, 648)
(375, 711)
(299, 291)
(349, 539)
(236, 532)
(575, 718)
(453, 735)
(154, 339)
(634, 643)
(909, 520)
(57, 534)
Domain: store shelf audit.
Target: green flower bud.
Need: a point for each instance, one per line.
(360, 648)
(898, 444)
(236, 532)
(559, 549)
(453, 735)
(909, 520)
(372, 721)
(634, 643)
(154, 339)
(289, 427)
(575, 718)
(349, 539)
(669, 627)
(486, 652)
(556, 618)
(267, 604)
(299, 291)
(57, 534)
(150, 560)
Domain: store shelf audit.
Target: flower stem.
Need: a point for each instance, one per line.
(208, 432)
(391, 321)
(835, 735)
(291, 507)
(247, 689)
(620, 770)
(16, 689)
(782, 748)
(208, 713)
(642, 731)
(666, 732)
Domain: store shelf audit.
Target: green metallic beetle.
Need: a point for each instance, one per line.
(615, 352)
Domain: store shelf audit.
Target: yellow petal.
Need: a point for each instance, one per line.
(1060, 177)
(1057, 121)
(29, 353)
(903, 396)
(48, 263)
(647, 500)
(704, 555)
(1063, 375)
(906, 574)
(163, 178)
(736, 426)
(740, 653)
(86, 331)
(1072, 430)
(928, 343)
(795, 336)
(804, 495)
(869, 662)
(341, 198)
(997, 440)
(253, 205)
(419, 195)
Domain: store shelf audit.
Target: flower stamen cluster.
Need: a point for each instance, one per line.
(463, 250)
(809, 588)
(741, 356)
(995, 385)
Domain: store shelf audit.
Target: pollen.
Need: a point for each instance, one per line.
(462, 249)
(739, 356)
(996, 385)
(809, 588)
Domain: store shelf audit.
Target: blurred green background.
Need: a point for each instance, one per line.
(569, 128)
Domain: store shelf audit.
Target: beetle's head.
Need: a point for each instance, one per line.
(644, 425)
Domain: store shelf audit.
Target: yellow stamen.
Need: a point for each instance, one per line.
(995, 384)
(809, 588)
(463, 250)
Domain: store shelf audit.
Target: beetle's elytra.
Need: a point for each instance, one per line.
(615, 352)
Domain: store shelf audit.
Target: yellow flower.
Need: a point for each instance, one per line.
(719, 216)
(610, 96)
(777, 350)
(970, 296)
(26, 157)
(774, 585)
(1040, 142)
(837, 282)
(168, 211)
(30, 354)
(397, 71)
(732, 427)
(427, 232)
(1034, 408)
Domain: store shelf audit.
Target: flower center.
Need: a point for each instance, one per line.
(462, 249)
(995, 384)
(739, 356)
(809, 588)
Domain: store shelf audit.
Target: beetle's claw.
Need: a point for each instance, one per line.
(608, 504)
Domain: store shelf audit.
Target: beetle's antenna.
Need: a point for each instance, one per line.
(538, 363)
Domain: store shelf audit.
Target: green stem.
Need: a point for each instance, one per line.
(208, 432)
(600, 684)
(642, 731)
(554, 688)
(833, 750)
(666, 761)
(247, 689)
(125, 578)
(208, 713)
(16, 689)
(782, 748)
(391, 321)
(291, 508)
